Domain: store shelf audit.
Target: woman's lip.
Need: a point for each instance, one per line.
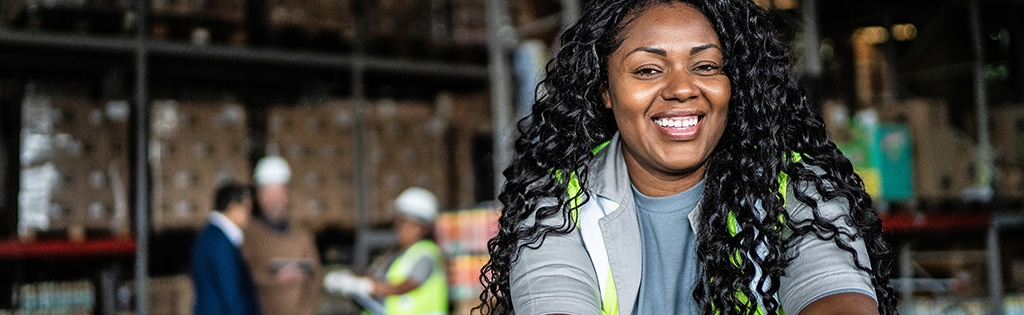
(680, 133)
(678, 113)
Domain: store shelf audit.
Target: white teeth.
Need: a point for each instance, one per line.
(677, 122)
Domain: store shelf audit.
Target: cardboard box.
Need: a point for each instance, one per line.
(319, 144)
(84, 144)
(195, 147)
(943, 164)
(408, 147)
(921, 114)
(1009, 181)
(329, 16)
(943, 157)
(1007, 131)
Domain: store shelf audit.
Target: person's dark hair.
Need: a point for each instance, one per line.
(769, 117)
(228, 193)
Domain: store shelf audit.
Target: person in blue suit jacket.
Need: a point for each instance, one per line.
(221, 278)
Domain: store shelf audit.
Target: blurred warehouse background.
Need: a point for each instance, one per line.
(119, 118)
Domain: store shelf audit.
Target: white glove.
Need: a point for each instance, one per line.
(345, 282)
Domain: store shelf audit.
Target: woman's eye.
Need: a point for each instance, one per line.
(708, 69)
(646, 71)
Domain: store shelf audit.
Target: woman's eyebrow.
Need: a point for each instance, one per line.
(663, 53)
(653, 50)
(695, 50)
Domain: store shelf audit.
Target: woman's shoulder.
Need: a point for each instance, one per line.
(796, 189)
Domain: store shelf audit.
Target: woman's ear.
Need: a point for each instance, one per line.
(606, 98)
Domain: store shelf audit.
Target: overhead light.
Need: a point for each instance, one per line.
(870, 35)
(904, 32)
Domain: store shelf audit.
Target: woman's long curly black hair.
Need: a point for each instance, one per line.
(769, 118)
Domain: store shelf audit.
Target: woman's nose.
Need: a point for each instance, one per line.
(680, 86)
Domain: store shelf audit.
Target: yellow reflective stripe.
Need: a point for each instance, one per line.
(574, 188)
(600, 147)
(610, 301)
(734, 226)
(745, 301)
(575, 197)
(784, 182)
(796, 157)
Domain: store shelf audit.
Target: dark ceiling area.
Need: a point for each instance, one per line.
(938, 62)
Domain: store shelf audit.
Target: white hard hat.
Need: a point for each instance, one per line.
(272, 170)
(418, 203)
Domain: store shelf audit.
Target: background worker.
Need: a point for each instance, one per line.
(413, 281)
(223, 284)
(284, 259)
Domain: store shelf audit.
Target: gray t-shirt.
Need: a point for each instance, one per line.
(670, 267)
(558, 276)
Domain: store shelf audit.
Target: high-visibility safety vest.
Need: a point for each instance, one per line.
(587, 224)
(431, 297)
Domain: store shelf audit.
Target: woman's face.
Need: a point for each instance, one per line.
(408, 231)
(669, 95)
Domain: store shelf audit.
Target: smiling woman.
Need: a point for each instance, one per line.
(669, 96)
(673, 167)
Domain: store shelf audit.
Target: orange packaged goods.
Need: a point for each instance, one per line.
(466, 231)
(464, 276)
(463, 236)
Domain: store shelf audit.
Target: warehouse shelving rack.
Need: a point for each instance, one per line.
(502, 36)
(142, 49)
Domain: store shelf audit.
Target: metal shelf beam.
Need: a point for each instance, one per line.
(240, 54)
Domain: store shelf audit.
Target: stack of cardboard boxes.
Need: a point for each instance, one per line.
(171, 295)
(319, 144)
(312, 17)
(943, 156)
(200, 22)
(194, 148)
(407, 147)
(74, 166)
(1007, 126)
(406, 28)
(197, 146)
(469, 22)
(470, 122)
(909, 150)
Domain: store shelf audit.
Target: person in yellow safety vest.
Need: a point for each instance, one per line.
(414, 283)
(672, 165)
